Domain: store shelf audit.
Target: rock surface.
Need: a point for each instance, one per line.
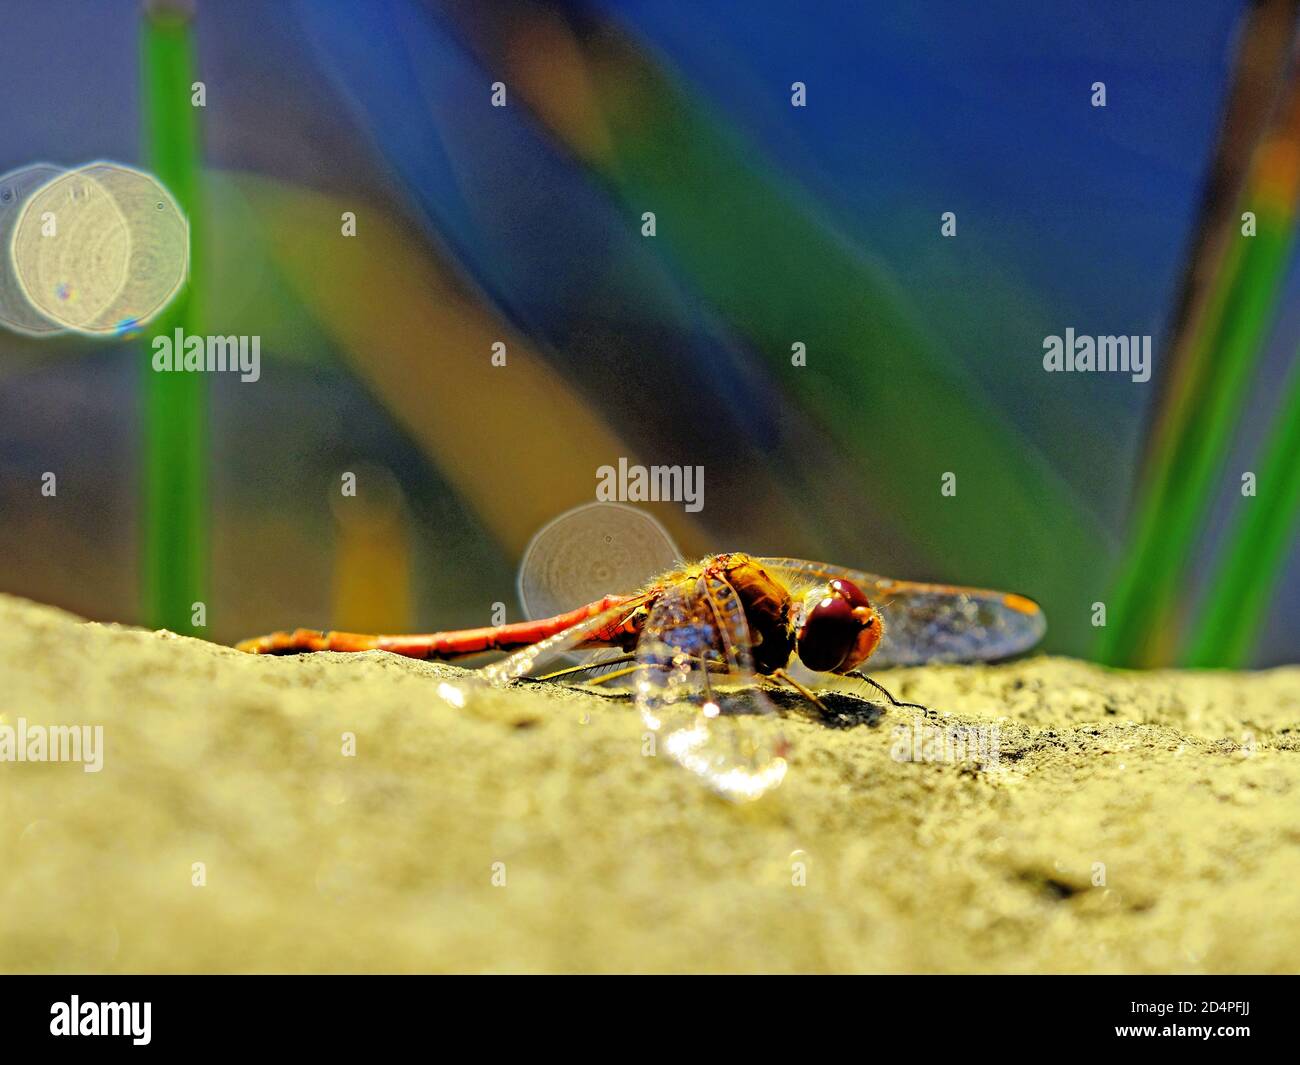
(1131, 823)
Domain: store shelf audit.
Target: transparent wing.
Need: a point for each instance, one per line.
(553, 648)
(695, 686)
(930, 622)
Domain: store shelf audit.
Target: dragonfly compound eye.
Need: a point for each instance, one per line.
(828, 635)
(850, 591)
(840, 631)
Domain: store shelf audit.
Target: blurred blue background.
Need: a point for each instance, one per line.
(522, 224)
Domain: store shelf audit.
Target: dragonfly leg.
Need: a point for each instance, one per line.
(715, 667)
(616, 674)
(585, 668)
(807, 693)
(885, 691)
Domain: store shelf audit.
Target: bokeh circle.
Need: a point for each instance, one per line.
(100, 249)
(591, 551)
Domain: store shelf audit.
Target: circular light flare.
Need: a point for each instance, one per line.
(100, 249)
(159, 247)
(589, 551)
(16, 310)
(70, 249)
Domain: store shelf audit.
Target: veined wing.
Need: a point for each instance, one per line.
(695, 687)
(546, 651)
(930, 622)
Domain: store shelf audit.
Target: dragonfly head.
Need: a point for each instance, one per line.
(840, 628)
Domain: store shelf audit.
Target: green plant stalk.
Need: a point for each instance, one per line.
(1123, 642)
(1173, 513)
(1243, 586)
(174, 566)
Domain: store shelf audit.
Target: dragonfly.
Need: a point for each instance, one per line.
(702, 646)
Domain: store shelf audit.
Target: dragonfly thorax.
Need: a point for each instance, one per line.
(768, 610)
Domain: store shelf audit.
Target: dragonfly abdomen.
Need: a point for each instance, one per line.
(458, 643)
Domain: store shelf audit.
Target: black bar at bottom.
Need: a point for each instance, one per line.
(344, 1013)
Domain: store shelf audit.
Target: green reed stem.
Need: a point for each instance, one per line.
(1173, 512)
(1265, 526)
(175, 512)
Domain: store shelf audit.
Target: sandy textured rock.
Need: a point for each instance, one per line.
(1184, 786)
